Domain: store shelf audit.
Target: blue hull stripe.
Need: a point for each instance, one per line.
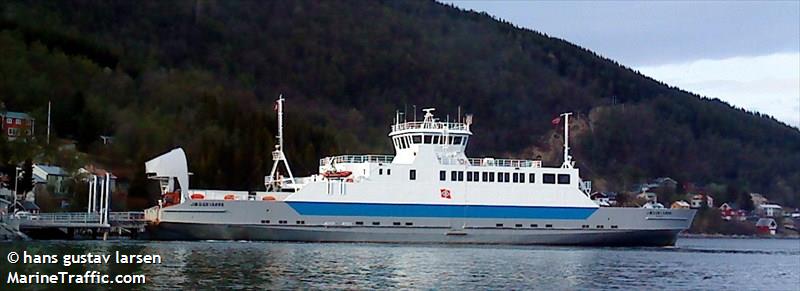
(434, 210)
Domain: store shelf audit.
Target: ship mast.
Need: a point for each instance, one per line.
(568, 163)
(275, 180)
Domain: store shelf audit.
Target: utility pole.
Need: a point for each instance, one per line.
(48, 122)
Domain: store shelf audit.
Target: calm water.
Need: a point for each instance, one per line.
(736, 264)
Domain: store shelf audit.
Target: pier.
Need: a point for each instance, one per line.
(71, 223)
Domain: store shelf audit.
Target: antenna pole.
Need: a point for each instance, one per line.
(567, 158)
(277, 155)
(280, 121)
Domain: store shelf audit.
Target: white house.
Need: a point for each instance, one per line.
(770, 210)
(697, 200)
(53, 176)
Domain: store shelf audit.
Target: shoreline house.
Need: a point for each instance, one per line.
(648, 197)
(766, 226)
(769, 210)
(728, 211)
(680, 204)
(17, 124)
(604, 198)
(758, 199)
(698, 199)
(54, 180)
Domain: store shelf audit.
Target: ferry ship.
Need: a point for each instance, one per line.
(428, 192)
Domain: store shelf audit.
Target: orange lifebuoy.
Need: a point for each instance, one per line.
(268, 198)
(198, 196)
(230, 197)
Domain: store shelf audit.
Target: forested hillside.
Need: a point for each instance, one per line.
(204, 74)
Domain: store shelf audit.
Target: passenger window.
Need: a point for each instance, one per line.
(380, 171)
(412, 174)
(549, 178)
(531, 178)
(469, 176)
(522, 177)
(491, 176)
(516, 178)
(388, 171)
(442, 175)
(485, 176)
(453, 176)
(427, 139)
(563, 178)
(460, 176)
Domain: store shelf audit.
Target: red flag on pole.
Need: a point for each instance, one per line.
(556, 121)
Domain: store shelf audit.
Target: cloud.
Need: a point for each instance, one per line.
(769, 84)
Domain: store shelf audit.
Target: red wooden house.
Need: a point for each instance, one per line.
(17, 124)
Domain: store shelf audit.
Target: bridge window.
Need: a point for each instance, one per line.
(563, 178)
(428, 139)
(416, 139)
(549, 178)
(464, 141)
(532, 178)
(442, 175)
(457, 140)
(412, 174)
(435, 139)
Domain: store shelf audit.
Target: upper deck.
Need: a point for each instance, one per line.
(473, 162)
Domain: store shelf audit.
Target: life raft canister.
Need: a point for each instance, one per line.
(268, 198)
(197, 196)
(230, 197)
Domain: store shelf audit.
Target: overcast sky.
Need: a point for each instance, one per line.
(746, 53)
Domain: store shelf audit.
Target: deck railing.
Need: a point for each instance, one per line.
(430, 125)
(491, 162)
(355, 159)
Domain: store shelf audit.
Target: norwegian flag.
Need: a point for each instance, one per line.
(445, 193)
(556, 120)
